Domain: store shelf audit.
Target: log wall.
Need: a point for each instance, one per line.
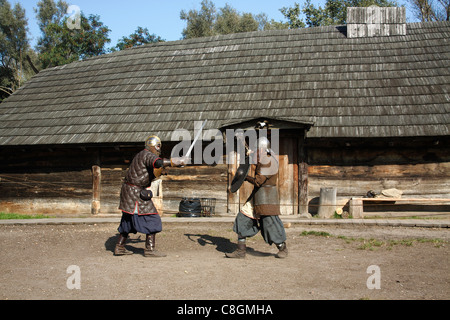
(46, 180)
(419, 167)
(63, 180)
(60, 179)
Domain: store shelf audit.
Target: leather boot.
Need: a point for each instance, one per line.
(120, 250)
(239, 253)
(150, 250)
(283, 251)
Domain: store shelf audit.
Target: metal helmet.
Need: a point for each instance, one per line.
(153, 142)
(264, 143)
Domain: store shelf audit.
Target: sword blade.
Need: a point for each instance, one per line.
(188, 153)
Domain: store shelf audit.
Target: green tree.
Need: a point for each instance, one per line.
(60, 44)
(265, 24)
(139, 37)
(199, 23)
(91, 38)
(431, 10)
(321, 17)
(49, 15)
(50, 12)
(334, 12)
(208, 21)
(14, 48)
(292, 14)
(229, 20)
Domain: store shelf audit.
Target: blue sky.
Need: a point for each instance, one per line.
(160, 17)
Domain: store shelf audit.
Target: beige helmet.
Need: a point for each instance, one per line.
(153, 143)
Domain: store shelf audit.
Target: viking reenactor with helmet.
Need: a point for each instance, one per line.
(262, 209)
(138, 211)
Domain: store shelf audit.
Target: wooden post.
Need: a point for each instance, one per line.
(232, 198)
(302, 176)
(156, 188)
(96, 189)
(327, 202)
(356, 208)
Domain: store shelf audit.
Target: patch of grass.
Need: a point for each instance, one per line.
(5, 215)
(405, 217)
(316, 233)
(374, 244)
(337, 216)
(371, 244)
(404, 242)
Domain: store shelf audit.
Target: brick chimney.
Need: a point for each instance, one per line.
(375, 21)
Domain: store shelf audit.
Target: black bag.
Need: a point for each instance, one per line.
(190, 207)
(146, 194)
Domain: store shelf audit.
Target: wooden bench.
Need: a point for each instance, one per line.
(356, 205)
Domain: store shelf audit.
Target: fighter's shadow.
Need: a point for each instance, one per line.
(110, 243)
(223, 245)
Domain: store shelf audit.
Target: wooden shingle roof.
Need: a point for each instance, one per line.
(395, 86)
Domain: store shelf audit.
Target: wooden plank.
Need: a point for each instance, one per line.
(405, 199)
(411, 187)
(438, 206)
(303, 177)
(286, 175)
(73, 184)
(232, 198)
(296, 179)
(391, 170)
(96, 189)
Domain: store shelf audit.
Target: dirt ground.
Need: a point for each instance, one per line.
(413, 263)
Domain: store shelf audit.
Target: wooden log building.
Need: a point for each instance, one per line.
(359, 107)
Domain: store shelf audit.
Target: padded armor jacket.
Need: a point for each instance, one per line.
(265, 194)
(139, 176)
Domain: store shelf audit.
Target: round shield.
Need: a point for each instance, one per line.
(239, 177)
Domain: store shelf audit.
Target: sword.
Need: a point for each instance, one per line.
(188, 153)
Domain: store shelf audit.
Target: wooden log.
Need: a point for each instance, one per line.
(302, 177)
(356, 208)
(327, 202)
(96, 189)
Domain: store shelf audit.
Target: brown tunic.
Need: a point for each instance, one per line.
(265, 194)
(139, 175)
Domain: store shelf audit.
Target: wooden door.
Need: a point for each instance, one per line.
(287, 179)
(288, 176)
